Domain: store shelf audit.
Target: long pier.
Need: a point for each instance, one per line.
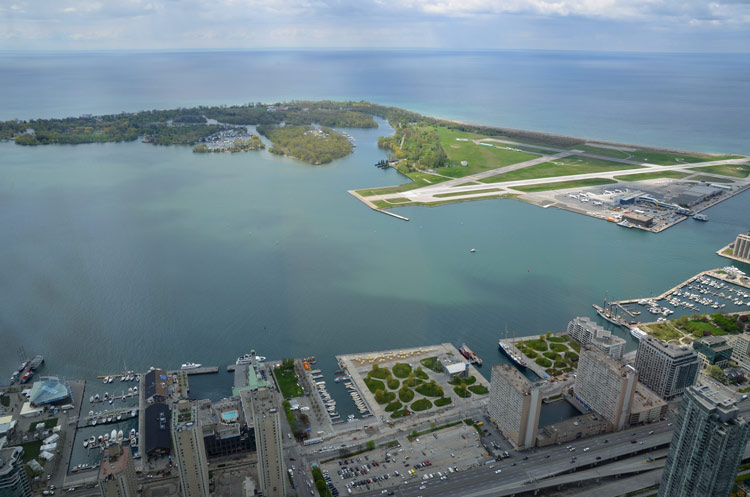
(201, 370)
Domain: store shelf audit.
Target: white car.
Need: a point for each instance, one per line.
(498, 471)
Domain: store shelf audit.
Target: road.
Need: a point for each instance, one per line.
(531, 469)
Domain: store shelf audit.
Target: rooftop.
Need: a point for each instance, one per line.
(715, 398)
(645, 399)
(515, 378)
(8, 457)
(607, 361)
(114, 461)
(670, 349)
(46, 391)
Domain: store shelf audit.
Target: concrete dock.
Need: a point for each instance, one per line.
(201, 370)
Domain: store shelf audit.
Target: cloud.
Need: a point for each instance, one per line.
(614, 24)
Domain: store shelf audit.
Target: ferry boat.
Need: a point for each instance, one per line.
(469, 355)
(508, 351)
(638, 334)
(190, 365)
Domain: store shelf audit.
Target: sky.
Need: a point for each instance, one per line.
(606, 25)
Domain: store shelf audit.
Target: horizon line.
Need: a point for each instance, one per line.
(356, 49)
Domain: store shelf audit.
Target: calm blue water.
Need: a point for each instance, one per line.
(131, 255)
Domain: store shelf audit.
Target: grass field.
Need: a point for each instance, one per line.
(654, 175)
(458, 194)
(661, 158)
(561, 185)
(664, 331)
(733, 170)
(712, 179)
(419, 179)
(567, 166)
(288, 384)
(479, 157)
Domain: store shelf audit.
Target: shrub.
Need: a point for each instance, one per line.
(401, 370)
(543, 362)
(421, 405)
(374, 385)
(393, 384)
(538, 345)
(479, 389)
(380, 373)
(462, 391)
(421, 374)
(405, 395)
(432, 363)
(431, 389)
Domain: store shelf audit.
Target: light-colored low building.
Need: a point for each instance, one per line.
(454, 369)
(515, 404)
(647, 407)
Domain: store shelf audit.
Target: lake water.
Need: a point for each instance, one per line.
(130, 255)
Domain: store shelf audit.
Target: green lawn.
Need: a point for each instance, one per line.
(566, 166)
(443, 401)
(658, 157)
(733, 170)
(543, 362)
(430, 390)
(393, 384)
(48, 423)
(479, 157)
(418, 180)
(536, 344)
(562, 185)
(433, 364)
(654, 175)
(606, 152)
(558, 347)
(461, 393)
(31, 451)
(664, 331)
(401, 370)
(699, 328)
(421, 405)
(479, 389)
(287, 381)
(458, 194)
(374, 385)
(393, 406)
(405, 395)
(712, 179)
(379, 373)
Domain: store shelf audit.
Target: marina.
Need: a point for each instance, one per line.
(724, 290)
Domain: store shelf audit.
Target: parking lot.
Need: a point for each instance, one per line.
(434, 455)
